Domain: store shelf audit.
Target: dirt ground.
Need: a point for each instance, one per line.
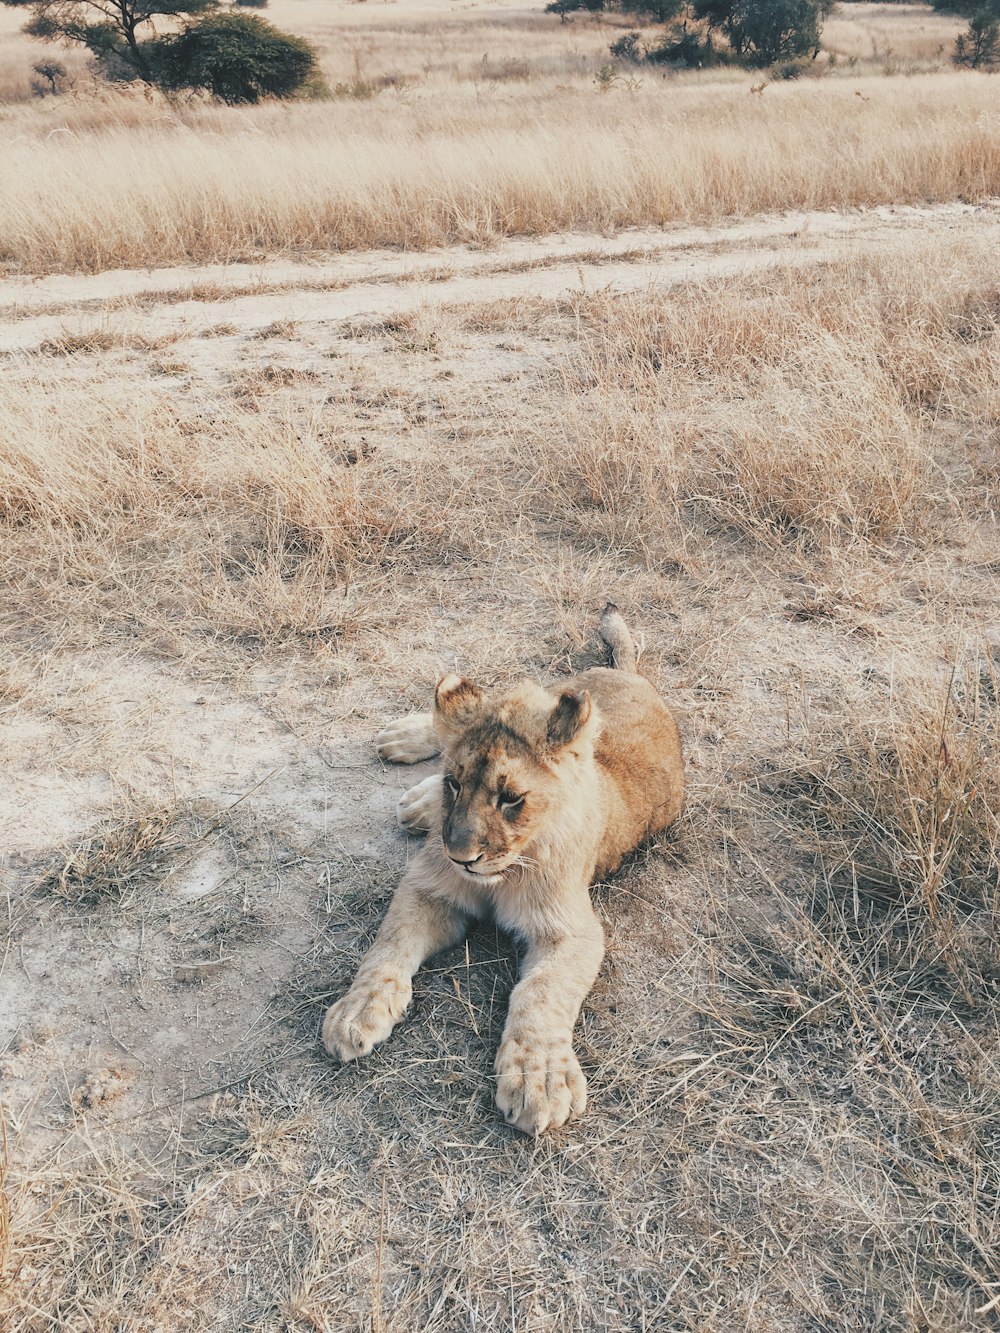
(199, 842)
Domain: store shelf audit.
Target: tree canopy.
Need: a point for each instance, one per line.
(757, 32)
(235, 57)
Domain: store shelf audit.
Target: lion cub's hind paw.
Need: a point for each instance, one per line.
(539, 1084)
(418, 809)
(408, 740)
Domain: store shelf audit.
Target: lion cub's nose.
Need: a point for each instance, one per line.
(471, 862)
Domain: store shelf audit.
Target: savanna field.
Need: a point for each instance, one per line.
(304, 404)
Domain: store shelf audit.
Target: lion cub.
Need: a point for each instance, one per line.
(543, 791)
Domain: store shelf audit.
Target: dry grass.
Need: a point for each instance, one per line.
(107, 868)
(474, 139)
(799, 411)
(905, 811)
(122, 502)
(895, 38)
(424, 173)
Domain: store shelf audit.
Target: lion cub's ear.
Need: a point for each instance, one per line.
(568, 716)
(456, 700)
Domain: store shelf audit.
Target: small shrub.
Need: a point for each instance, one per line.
(54, 73)
(629, 47)
(689, 50)
(250, 4)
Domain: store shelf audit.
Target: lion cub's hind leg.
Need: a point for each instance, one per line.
(419, 809)
(408, 740)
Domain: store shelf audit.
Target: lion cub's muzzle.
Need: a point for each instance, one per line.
(482, 864)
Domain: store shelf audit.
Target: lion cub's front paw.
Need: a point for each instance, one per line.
(365, 1016)
(539, 1083)
(408, 740)
(418, 809)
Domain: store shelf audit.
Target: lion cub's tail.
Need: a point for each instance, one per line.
(615, 634)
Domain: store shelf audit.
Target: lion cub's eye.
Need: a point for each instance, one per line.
(508, 800)
(453, 784)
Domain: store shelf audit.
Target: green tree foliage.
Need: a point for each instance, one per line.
(235, 57)
(238, 58)
(757, 32)
(110, 29)
(761, 32)
(979, 46)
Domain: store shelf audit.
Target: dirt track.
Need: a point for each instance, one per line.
(180, 303)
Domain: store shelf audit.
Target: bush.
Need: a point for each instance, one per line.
(235, 57)
(762, 32)
(628, 48)
(250, 4)
(688, 49)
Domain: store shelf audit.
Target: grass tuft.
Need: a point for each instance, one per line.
(108, 869)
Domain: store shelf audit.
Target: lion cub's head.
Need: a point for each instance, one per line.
(509, 762)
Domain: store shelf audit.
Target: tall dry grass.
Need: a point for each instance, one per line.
(838, 412)
(800, 409)
(893, 37)
(905, 812)
(137, 184)
(117, 508)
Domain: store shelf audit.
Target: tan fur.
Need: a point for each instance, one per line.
(544, 790)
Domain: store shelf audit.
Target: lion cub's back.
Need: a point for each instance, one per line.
(639, 759)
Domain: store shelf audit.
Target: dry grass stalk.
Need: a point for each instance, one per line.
(905, 808)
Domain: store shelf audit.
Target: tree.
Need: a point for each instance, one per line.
(235, 57)
(109, 29)
(761, 32)
(758, 32)
(54, 73)
(979, 46)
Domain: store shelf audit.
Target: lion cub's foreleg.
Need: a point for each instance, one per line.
(539, 1080)
(416, 925)
(408, 740)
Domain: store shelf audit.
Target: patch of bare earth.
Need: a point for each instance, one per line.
(226, 559)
